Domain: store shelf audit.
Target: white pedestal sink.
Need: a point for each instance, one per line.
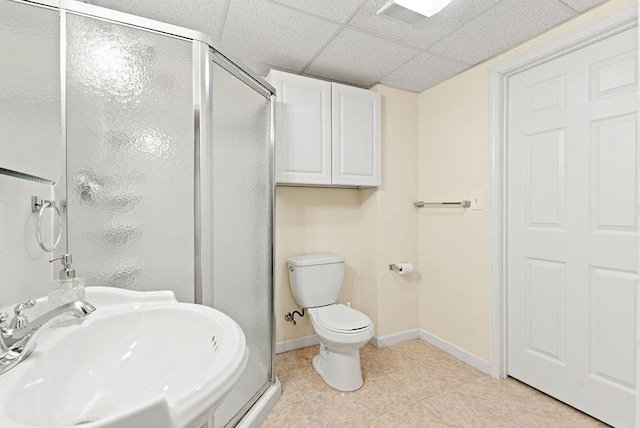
(140, 360)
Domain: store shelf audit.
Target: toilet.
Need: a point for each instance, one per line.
(316, 280)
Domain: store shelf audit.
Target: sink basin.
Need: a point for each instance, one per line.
(138, 360)
(101, 297)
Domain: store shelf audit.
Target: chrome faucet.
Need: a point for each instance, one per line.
(18, 338)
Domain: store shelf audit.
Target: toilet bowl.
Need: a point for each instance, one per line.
(316, 280)
(342, 332)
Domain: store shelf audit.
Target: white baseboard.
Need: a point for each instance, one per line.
(394, 338)
(297, 343)
(456, 351)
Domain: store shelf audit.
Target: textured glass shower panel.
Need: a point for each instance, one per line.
(242, 198)
(130, 143)
(30, 123)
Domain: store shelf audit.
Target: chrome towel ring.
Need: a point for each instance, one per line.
(40, 205)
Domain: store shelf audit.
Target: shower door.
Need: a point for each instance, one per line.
(242, 225)
(130, 156)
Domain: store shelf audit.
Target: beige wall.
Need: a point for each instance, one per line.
(454, 160)
(389, 215)
(371, 227)
(310, 220)
(454, 242)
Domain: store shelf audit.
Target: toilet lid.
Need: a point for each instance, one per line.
(342, 318)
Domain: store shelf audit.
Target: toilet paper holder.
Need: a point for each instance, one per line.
(401, 268)
(395, 267)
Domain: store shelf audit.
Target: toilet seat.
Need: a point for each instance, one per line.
(341, 319)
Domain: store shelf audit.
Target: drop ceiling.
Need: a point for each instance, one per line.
(344, 40)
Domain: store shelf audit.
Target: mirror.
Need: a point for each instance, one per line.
(30, 96)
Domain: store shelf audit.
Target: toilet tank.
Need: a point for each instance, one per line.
(316, 279)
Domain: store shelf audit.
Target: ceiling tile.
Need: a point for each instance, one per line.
(337, 10)
(359, 58)
(258, 67)
(260, 31)
(507, 25)
(582, 5)
(426, 32)
(423, 72)
(263, 69)
(200, 15)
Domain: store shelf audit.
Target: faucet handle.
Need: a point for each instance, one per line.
(3, 321)
(3, 330)
(24, 305)
(20, 320)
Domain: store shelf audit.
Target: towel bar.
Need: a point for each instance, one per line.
(422, 204)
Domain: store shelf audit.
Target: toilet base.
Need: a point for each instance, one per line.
(339, 370)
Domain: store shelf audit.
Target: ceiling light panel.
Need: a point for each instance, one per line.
(412, 11)
(401, 13)
(427, 8)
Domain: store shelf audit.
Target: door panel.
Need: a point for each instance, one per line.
(614, 75)
(303, 140)
(545, 179)
(572, 228)
(612, 355)
(547, 96)
(612, 173)
(546, 308)
(356, 136)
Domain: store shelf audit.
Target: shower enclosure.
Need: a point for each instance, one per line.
(167, 151)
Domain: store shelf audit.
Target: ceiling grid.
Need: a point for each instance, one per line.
(346, 41)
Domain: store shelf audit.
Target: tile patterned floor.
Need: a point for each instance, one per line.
(412, 385)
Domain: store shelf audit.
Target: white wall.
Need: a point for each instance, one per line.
(454, 160)
(25, 271)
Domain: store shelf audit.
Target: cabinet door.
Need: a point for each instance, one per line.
(303, 129)
(356, 136)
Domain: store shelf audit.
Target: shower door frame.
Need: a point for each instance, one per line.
(204, 50)
(269, 92)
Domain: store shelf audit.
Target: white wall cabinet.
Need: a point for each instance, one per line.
(327, 134)
(303, 129)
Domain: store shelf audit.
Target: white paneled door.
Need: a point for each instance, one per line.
(572, 227)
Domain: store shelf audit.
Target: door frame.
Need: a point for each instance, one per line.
(499, 75)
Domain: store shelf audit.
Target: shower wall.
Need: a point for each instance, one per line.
(130, 157)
